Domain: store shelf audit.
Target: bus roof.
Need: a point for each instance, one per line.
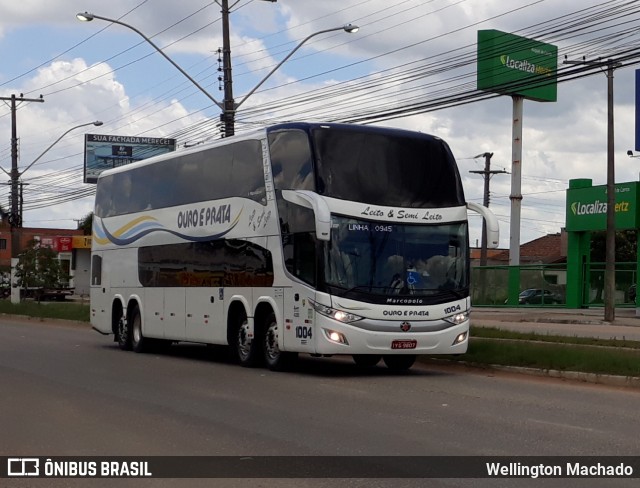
(307, 127)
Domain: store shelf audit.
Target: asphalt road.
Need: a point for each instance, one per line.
(68, 391)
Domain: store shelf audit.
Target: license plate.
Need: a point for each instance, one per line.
(404, 344)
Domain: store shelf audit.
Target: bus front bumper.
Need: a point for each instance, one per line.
(395, 337)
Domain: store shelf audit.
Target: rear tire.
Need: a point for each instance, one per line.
(399, 362)
(138, 342)
(275, 359)
(245, 349)
(366, 360)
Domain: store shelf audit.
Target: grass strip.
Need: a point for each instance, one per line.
(552, 356)
(50, 310)
(497, 333)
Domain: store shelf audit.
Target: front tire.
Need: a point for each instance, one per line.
(275, 359)
(366, 360)
(400, 362)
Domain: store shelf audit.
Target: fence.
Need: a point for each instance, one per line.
(544, 285)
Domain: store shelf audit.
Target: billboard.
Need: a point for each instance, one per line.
(587, 207)
(81, 242)
(57, 243)
(515, 65)
(103, 152)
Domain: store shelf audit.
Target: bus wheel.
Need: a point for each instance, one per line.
(276, 359)
(399, 363)
(366, 360)
(138, 341)
(245, 348)
(124, 334)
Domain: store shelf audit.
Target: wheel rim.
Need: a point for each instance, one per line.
(244, 345)
(271, 348)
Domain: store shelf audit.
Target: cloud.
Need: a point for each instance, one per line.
(561, 140)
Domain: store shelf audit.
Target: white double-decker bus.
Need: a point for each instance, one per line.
(323, 239)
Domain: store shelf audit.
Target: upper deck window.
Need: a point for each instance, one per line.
(390, 168)
(231, 170)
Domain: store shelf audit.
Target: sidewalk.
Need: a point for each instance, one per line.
(560, 321)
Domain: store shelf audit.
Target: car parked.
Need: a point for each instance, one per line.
(538, 296)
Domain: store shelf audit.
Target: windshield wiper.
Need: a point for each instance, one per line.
(358, 287)
(437, 292)
(450, 291)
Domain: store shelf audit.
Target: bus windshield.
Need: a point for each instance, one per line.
(391, 263)
(389, 168)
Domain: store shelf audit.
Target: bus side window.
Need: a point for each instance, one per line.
(298, 240)
(247, 174)
(291, 160)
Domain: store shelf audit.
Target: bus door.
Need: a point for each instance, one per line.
(100, 299)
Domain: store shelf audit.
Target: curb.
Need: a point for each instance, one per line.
(541, 320)
(599, 379)
(593, 378)
(33, 318)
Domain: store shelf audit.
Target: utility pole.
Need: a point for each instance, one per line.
(228, 116)
(487, 174)
(610, 240)
(228, 104)
(15, 217)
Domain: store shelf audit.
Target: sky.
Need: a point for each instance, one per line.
(406, 52)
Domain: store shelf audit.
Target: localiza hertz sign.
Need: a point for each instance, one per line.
(587, 207)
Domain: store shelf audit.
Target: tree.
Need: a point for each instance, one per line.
(86, 224)
(38, 267)
(625, 246)
(625, 253)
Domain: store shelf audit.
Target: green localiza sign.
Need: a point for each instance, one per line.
(587, 206)
(515, 65)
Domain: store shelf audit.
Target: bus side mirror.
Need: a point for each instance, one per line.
(493, 228)
(312, 200)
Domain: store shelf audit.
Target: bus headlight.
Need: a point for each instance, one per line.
(458, 318)
(339, 315)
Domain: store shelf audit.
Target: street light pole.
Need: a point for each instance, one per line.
(97, 123)
(87, 17)
(229, 107)
(350, 28)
